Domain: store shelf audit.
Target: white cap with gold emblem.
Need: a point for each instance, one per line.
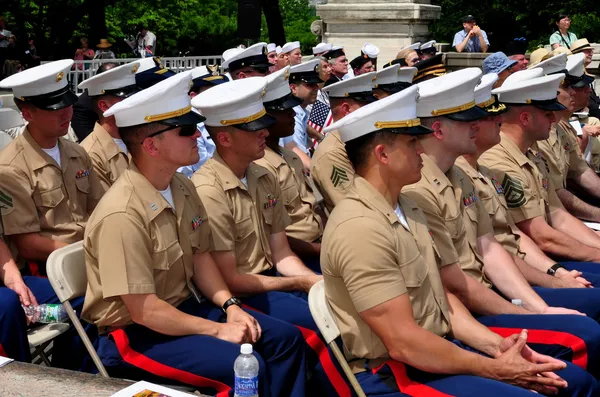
(396, 113)
(238, 104)
(166, 102)
(451, 95)
(279, 95)
(45, 86)
(530, 87)
(253, 56)
(394, 78)
(359, 88)
(119, 81)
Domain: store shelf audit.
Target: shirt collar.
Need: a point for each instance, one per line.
(37, 158)
(230, 181)
(512, 149)
(106, 141)
(433, 174)
(369, 195)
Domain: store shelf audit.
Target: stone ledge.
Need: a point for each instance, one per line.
(401, 12)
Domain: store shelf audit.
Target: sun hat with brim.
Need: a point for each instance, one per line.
(497, 63)
(104, 44)
(580, 45)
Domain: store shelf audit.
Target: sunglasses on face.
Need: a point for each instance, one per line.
(186, 130)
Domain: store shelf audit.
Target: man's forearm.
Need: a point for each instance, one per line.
(572, 226)
(255, 284)
(34, 247)
(475, 296)
(208, 279)
(482, 44)
(534, 256)
(461, 46)
(289, 265)
(314, 134)
(535, 276)
(590, 182)
(578, 207)
(303, 248)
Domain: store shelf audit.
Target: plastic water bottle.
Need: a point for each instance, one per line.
(246, 373)
(46, 314)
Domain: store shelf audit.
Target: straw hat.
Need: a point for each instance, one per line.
(537, 56)
(104, 44)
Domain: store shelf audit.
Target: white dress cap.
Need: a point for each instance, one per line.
(451, 93)
(278, 50)
(44, 79)
(199, 72)
(359, 85)
(271, 47)
(523, 75)
(394, 111)
(111, 80)
(370, 50)
(278, 85)
(556, 64)
(237, 102)
(165, 100)
(483, 90)
(145, 64)
(415, 46)
(252, 56)
(291, 46)
(321, 48)
(227, 54)
(395, 74)
(525, 92)
(575, 64)
(428, 45)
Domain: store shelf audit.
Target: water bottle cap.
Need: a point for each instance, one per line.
(246, 348)
(517, 302)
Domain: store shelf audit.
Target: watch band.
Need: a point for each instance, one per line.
(231, 301)
(552, 269)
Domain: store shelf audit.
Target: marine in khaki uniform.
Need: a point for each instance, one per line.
(388, 274)
(306, 227)
(329, 167)
(522, 170)
(248, 218)
(583, 300)
(48, 184)
(147, 250)
(561, 150)
(104, 145)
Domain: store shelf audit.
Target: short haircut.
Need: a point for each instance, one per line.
(358, 149)
(560, 16)
(134, 135)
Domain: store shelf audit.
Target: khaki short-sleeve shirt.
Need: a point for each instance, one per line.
(577, 163)
(242, 218)
(454, 215)
(331, 169)
(491, 194)
(108, 160)
(38, 196)
(369, 258)
(136, 243)
(298, 200)
(525, 179)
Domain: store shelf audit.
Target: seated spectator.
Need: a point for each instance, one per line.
(361, 65)
(562, 37)
(12, 56)
(408, 56)
(370, 52)
(283, 58)
(537, 56)
(515, 51)
(339, 64)
(103, 51)
(583, 45)
(31, 57)
(498, 63)
(294, 52)
(471, 38)
(321, 49)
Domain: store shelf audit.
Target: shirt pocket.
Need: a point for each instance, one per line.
(166, 257)
(289, 195)
(83, 185)
(455, 227)
(243, 229)
(49, 198)
(414, 271)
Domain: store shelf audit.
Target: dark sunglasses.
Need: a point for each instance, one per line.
(186, 130)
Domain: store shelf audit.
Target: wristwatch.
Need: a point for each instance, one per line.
(552, 270)
(231, 301)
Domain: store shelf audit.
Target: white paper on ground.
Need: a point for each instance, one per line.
(592, 225)
(5, 360)
(131, 391)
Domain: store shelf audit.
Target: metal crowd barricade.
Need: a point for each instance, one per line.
(85, 69)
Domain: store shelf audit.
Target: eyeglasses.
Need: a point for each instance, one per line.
(186, 130)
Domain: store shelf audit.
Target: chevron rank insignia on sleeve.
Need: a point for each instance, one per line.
(513, 192)
(338, 176)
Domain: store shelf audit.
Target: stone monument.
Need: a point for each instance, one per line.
(388, 24)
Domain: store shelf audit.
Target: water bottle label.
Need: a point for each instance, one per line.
(246, 387)
(51, 314)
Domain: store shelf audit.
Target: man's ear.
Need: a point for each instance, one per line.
(437, 129)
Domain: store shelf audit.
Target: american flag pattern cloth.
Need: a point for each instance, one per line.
(320, 114)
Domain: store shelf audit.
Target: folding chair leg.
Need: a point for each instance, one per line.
(344, 364)
(40, 351)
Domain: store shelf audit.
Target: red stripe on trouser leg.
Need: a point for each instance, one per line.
(154, 367)
(319, 347)
(34, 269)
(545, 337)
(407, 386)
(2, 352)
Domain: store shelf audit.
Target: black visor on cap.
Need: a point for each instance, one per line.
(124, 92)
(256, 61)
(401, 61)
(416, 130)
(149, 77)
(56, 100)
(264, 122)
(334, 53)
(581, 81)
(551, 104)
(189, 118)
(394, 87)
(472, 114)
(283, 103)
(307, 77)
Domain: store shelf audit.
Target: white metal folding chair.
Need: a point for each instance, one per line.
(41, 336)
(66, 271)
(324, 319)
